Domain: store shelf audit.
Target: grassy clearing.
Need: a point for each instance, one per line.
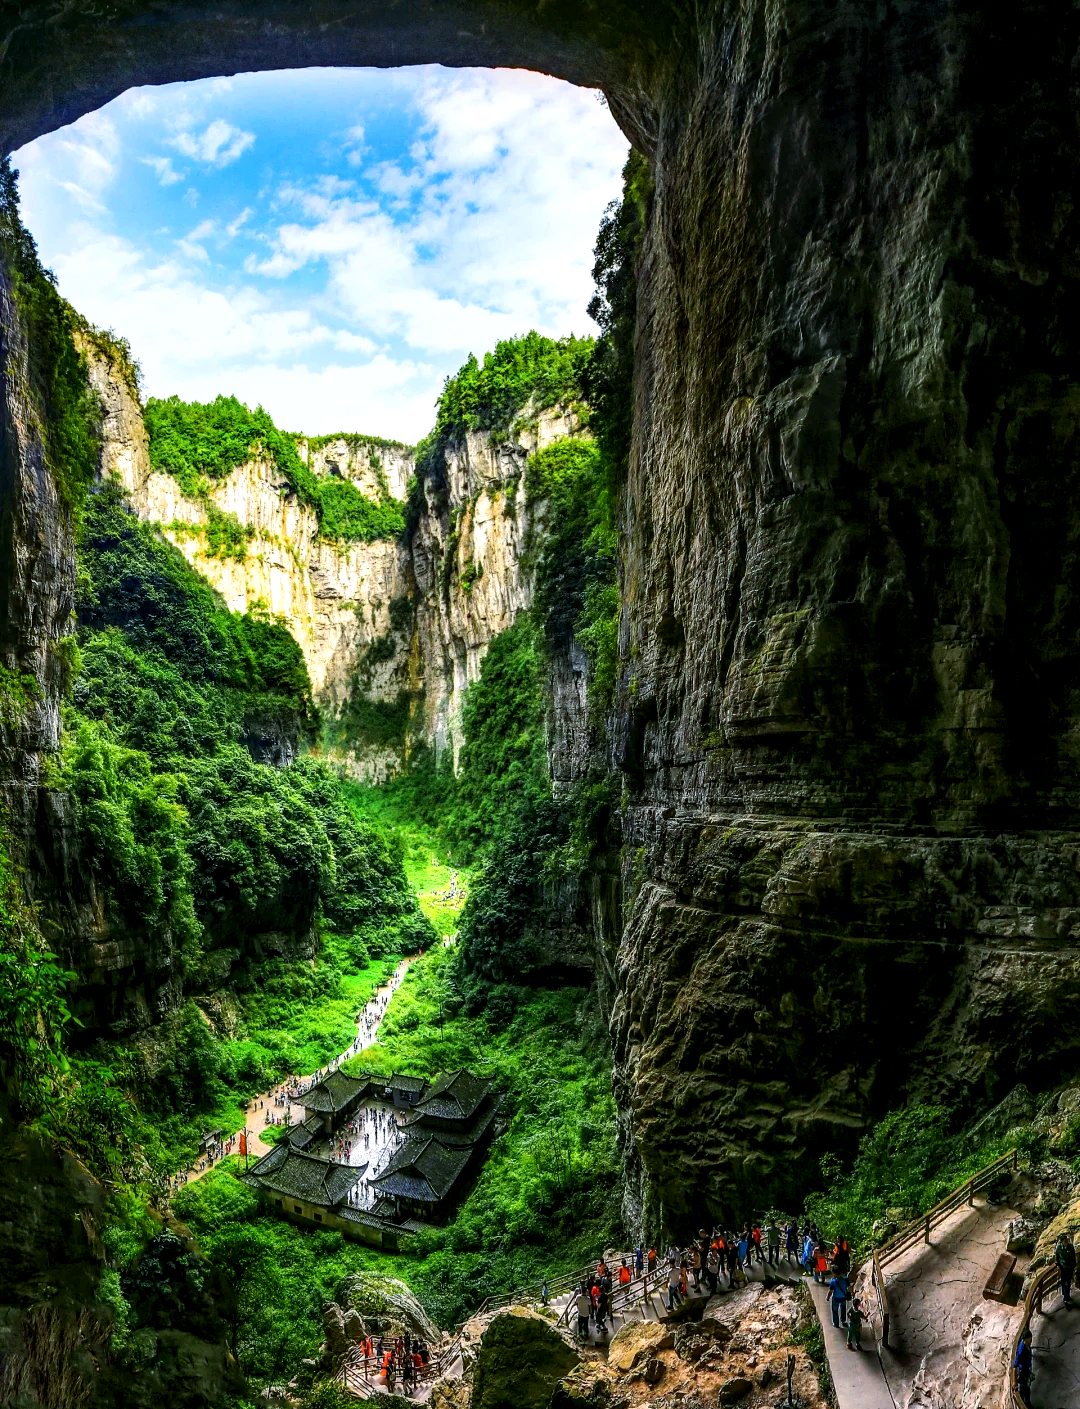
(441, 886)
(295, 1019)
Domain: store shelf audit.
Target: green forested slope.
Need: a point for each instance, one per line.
(200, 443)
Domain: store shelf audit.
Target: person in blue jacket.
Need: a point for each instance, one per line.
(1022, 1365)
(838, 1297)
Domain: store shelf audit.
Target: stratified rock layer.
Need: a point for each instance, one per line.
(848, 713)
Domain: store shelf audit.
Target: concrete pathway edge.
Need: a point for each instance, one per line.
(857, 1377)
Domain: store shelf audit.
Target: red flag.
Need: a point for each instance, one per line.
(243, 1142)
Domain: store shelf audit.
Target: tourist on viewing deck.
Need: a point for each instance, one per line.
(674, 1279)
(639, 1259)
(791, 1243)
(772, 1237)
(624, 1274)
(1065, 1258)
(651, 1261)
(584, 1311)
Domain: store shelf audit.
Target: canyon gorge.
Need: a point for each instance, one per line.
(843, 729)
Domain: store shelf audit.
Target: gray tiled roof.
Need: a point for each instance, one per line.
(300, 1136)
(412, 1084)
(317, 1181)
(424, 1168)
(455, 1097)
(334, 1092)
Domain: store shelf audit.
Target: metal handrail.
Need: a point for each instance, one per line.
(920, 1227)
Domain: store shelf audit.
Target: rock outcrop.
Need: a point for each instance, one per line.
(520, 1359)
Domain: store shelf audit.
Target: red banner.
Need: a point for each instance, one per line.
(243, 1142)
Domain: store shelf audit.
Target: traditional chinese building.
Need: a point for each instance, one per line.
(448, 1131)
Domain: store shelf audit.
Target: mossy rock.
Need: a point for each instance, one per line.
(387, 1306)
(520, 1360)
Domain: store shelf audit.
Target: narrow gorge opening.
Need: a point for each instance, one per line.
(733, 653)
(332, 724)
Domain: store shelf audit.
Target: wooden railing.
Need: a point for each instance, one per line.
(918, 1230)
(1045, 1280)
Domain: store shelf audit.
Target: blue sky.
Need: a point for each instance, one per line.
(329, 242)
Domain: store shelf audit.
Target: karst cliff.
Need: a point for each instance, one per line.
(846, 713)
(402, 623)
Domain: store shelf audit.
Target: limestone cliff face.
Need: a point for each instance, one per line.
(849, 703)
(470, 560)
(402, 624)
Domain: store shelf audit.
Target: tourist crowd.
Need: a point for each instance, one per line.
(395, 1359)
(702, 1267)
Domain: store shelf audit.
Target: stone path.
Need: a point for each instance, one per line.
(856, 1375)
(949, 1347)
(1055, 1353)
(263, 1106)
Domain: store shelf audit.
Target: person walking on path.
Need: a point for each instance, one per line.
(584, 1311)
(674, 1279)
(838, 1297)
(1065, 1258)
(1022, 1366)
(772, 1236)
(854, 1322)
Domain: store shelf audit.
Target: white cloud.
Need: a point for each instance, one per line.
(352, 298)
(167, 175)
(218, 145)
(191, 244)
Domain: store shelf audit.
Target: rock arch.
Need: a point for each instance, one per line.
(849, 707)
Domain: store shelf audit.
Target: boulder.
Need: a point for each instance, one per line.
(652, 1371)
(636, 1341)
(692, 1341)
(450, 1394)
(354, 1326)
(387, 1305)
(334, 1331)
(731, 1308)
(731, 1391)
(520, 1359)
(1020, 1234)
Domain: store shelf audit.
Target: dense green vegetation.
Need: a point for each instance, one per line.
(528, 371)
(905, 1164)
(546, 1199)
(200, 443)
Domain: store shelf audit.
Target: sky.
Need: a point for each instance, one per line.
(329, 243)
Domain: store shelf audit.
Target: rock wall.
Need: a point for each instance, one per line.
(403, 624)
(848, 711)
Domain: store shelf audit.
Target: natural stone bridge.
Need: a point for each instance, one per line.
(848, 714)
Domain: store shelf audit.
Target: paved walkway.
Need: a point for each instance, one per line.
(950, 1347)
(856, 1375)
(1055, 1353)
(379, 1131)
